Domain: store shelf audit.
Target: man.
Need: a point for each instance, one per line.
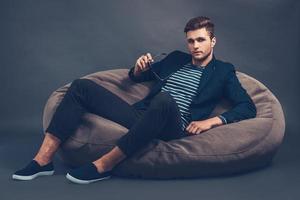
(187, 88)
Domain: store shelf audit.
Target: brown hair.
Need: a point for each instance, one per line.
(200, 22)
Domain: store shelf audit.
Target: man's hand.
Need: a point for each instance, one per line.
(197, 127)
(142, 63)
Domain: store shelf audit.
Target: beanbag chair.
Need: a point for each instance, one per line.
(228, 149)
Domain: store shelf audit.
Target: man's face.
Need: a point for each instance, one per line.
(200, 45)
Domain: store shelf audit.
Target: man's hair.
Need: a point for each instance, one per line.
(200, 22)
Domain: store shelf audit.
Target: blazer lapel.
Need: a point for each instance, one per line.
(206, 76)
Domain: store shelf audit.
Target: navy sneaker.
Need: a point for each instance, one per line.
(33, 170)
(87, 174)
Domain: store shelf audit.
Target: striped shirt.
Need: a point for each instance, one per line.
(182, 86)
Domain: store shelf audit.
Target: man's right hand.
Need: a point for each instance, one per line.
(142, 63)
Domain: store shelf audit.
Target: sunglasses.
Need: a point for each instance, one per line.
(157, 58)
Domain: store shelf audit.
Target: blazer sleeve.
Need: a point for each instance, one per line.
(243, 106)
(147, 75)
(144, 76)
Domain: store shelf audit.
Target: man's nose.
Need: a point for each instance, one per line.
(196, 45)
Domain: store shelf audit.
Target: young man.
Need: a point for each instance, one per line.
(187, 88)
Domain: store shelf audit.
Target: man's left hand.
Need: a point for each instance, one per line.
(197, 127)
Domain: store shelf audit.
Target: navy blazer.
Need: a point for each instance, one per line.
(218, 80)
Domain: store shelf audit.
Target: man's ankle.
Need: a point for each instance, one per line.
(42, 162)
(101, 167)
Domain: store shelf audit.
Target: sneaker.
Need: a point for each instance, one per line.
(87, 174)
(33, 170)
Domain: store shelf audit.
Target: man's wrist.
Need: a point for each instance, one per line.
(224, 121)
(135, 73)
(215, 121)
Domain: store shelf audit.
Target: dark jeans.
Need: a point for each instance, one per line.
(160, 120)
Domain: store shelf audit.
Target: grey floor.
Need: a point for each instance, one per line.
(277, 181)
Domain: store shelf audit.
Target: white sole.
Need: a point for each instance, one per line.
(27, 178)
(75, 180)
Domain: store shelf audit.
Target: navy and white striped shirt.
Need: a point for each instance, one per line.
(182, 86)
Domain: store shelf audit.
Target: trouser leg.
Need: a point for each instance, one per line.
(161, 120)
(86, 96)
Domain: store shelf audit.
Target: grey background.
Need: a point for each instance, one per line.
(46, 44)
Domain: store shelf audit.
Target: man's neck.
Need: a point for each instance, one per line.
(203, 63)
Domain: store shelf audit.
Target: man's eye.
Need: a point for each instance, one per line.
(190, 41)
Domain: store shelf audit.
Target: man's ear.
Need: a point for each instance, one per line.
(213, 41)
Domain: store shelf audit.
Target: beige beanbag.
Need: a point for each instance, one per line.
(223, 150)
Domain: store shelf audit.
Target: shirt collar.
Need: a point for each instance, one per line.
(209, 64)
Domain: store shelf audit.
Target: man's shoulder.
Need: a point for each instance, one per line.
(177, 58)
(179, 54)
(224, 65)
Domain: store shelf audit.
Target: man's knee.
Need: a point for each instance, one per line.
(79, 84)
(162, 100)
